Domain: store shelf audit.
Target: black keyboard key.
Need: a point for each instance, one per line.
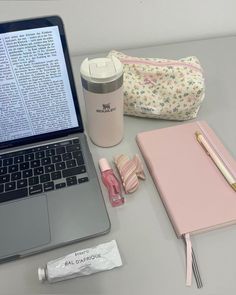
(27, 173)
(15, 176)
(36, 189)
(49, 168)
(60, 150)
(39, 155)
(60, 166)
(38, 171)
(5, 156)
(1, 188)
(56, 159)
(12, 195)
(77, 154)
(29, 151)
(22, 183)
(24, 166)
(3, 170)
(73, 171)
(79, 157)
(37, 149)
(10, 186)
(70, 163)
(67, 142)
(80, 161)
(7, 162)
(48, 186)
(56, 175)
(71, 180)
(29, 157)
(18, 159)
(67, 156)
(40, 148)
(83, 179)
(4, 178)
(60, 185)
(72, 148)
(13, 168)
(16, 154)
(53, 145)
(76, 140)
(46, 161)
(33, 180)
(35, 163)
(0, 163)
(44, 178)
(50, 152)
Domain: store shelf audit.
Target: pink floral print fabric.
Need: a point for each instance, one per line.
(161, 88)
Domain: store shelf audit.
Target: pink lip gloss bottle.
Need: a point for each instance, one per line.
(111, 182)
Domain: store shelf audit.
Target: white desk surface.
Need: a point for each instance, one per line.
(154, 259)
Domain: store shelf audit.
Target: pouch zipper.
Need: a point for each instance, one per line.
(159, 64)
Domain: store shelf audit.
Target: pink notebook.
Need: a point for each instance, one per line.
(196, 195)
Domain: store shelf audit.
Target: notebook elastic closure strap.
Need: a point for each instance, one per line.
(211, 149)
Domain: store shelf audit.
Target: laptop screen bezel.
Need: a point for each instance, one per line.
(47, 21)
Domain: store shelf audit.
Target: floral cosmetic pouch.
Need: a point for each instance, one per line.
(162, 88)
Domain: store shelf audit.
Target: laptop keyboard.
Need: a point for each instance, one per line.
(41, 169)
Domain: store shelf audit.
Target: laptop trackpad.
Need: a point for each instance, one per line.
(24, 225)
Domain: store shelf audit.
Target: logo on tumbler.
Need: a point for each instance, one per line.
(106, 108)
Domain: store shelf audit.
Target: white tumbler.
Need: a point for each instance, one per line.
(102, 80)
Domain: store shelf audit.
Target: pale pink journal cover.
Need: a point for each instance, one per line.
(196, 195)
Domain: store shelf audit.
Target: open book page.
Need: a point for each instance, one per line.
(35, 93)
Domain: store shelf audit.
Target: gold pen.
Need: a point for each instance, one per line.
(218, 162)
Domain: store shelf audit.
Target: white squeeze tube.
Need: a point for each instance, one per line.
(81, 263)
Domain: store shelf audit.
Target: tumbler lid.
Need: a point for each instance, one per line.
(101, 70)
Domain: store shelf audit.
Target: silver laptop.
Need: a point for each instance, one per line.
(49, 191)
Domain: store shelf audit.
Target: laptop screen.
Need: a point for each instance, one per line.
(37, 93)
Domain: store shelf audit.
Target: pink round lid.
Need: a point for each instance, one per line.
(103, 164)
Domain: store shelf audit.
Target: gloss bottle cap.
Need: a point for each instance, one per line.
(41, 274)
(104, 165)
